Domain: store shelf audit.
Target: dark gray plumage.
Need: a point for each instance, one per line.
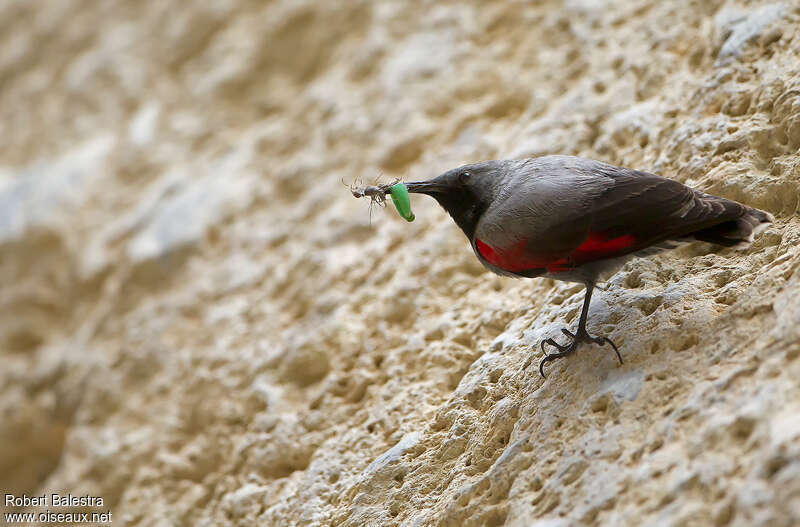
(579, 220)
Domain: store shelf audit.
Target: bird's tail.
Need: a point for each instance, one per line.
(739, 231)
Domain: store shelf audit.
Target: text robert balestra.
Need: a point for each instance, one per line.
(53, 500)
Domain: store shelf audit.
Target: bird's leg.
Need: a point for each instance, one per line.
(581, 335)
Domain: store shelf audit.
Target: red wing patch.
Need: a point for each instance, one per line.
(596, 247)
(512, 259)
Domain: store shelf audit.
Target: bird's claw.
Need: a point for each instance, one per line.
(563, 351)
(567, 349)
(605, 340)
(559, 347)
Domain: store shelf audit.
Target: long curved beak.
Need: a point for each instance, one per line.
(431, 188)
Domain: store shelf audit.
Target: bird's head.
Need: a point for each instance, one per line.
(465, 192)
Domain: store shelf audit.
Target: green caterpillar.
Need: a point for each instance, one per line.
(402, 202)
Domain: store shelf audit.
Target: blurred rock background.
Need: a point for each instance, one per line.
(201, 325)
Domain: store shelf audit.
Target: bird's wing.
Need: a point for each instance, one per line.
(652, 208)
(563, 211)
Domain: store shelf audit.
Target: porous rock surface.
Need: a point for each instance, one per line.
(200, 324)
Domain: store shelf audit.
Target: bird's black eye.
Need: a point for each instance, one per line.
(464, 177)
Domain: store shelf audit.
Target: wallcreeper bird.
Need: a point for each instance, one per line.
(579, 220)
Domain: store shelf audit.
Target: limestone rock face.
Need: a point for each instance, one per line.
(201, 325)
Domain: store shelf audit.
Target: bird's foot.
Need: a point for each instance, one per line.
(568, 349)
